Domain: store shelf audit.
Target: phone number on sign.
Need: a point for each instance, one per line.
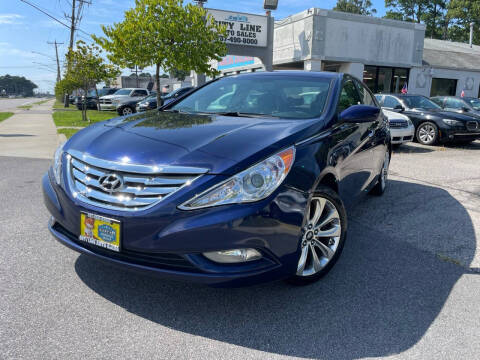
(239, 40)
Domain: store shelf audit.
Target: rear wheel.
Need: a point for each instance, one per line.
(427, 133)
(323, 237)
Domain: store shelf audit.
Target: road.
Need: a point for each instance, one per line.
(12, 104)
(406, 287)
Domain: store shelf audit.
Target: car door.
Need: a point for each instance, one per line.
(139, 94)
(351, 149)
(375, 146)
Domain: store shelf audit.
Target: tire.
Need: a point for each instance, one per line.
(427, 133)
(379, 188)
(127, 111)
(327, 248)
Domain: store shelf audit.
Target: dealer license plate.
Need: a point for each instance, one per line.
(100, 231)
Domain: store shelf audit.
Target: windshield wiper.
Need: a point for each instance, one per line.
(243, 114)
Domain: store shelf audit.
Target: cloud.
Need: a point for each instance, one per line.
(6, 50)
(10, 19)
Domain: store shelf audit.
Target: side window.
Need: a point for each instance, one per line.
(439, 101)
(453, 103)
(141, 93)
(390, 102)
(365, 96)
(348, 96)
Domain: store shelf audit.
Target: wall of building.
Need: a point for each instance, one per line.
(421, 80)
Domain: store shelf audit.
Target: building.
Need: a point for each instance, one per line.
(385, 54)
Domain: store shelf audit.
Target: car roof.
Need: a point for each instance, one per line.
(297, 73)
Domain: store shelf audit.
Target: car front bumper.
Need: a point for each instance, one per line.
(170, 245)
(402, 135)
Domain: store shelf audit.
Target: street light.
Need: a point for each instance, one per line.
(270, 4)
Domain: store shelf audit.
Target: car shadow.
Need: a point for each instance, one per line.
(411, 148)
(470, 146)
(381, 297)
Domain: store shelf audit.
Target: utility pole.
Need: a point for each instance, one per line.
(75, 19)
(59, 77)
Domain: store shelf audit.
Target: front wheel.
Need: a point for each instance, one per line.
(427, 133)
(381, 185)
(127, 111)
(323, 237)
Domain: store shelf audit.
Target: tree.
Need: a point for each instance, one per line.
(179, 74)
(462, 13)
(406, 10)
(167, 34)
(86, 69)
(435, 17)
(361, 7)
(17, 85)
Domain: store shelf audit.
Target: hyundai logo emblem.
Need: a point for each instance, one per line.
(111, 182)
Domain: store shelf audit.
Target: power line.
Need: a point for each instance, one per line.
(52, 17)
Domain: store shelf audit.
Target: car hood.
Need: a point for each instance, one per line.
(224, 145)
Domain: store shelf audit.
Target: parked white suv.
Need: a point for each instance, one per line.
(401, 127)
(110, 102)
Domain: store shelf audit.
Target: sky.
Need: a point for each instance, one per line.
(25, 31)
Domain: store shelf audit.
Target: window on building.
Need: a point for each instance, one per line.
(385, 79)
(443, 87)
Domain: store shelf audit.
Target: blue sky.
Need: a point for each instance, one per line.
(24, 31)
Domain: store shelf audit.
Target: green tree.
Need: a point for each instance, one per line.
(462, 13)
(86, 69)
(435, 17)
(361, 7)
(16, 85)
(406, 10)
(166, 34)
(179, 74)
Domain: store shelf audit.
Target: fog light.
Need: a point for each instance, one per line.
(233, 256)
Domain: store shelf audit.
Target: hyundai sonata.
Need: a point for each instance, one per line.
(244, 180)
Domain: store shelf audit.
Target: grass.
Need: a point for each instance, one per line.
(74, 117)
(25, 107)
(41, 102)
(68, 132)
(5, 115)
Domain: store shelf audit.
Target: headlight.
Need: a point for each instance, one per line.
(57, 163)
(451, 122)
(410, 123)
(147, 103)
(254, 184)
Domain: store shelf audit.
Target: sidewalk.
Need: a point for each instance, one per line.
(29, 133)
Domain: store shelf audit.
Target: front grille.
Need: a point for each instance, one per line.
(398, 124)
(105, 101)
(473, 125)
(140, 186)
(157, 260)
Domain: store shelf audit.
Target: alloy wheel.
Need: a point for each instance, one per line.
(427, 133)
(127, 111)
(384, 174)
(321, 237)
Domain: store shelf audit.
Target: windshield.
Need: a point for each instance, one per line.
(123, 92)
(151, 98)
(292, 97)
(419, 102)
(475, 103)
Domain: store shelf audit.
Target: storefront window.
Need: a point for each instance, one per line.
(385, 79)
(443, 87)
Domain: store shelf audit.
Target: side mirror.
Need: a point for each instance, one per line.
(359, 114)
(399, 108)
(465, 109)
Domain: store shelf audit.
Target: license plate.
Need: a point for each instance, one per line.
(100, 231)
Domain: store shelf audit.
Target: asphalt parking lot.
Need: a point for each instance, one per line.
(407, 285)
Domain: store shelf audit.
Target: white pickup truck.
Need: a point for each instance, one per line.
(110, 102)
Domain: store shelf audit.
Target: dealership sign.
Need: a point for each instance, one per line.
(243, 29)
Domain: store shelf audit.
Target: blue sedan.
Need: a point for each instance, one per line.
(244, 180)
